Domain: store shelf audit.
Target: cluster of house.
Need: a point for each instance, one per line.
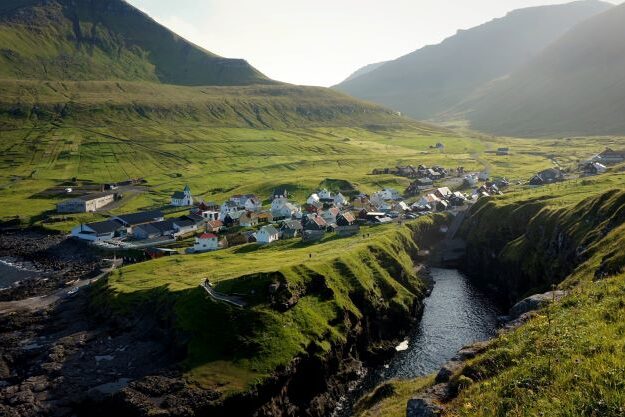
(434, 173)
(283, 219)
(243, 218)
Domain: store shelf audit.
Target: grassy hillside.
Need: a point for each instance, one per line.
(567, 359)
(576, 86)
(335, 284)
(229, 151)
(430, 80)
(103, 40)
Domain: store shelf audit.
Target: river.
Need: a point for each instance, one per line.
(456, 314)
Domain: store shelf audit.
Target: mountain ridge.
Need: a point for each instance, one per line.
(574, 87)
(106, 39)
(433, 79)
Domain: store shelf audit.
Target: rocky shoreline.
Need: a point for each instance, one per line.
(56, 259)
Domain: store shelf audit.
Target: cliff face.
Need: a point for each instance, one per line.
(349, 310)
(524, 247)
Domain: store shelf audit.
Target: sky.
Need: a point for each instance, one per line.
(321, 42)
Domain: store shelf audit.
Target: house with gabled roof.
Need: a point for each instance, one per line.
(98, 231)
(214, 226)
(142, 217)
(154, 230)
(206, 242)
(248, 219)
(314, 222)
(345, 218)
(290, 229)
(267, 234)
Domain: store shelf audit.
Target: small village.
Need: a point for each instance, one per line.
(243, 218)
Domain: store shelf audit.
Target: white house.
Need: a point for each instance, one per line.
(206, 242)
(483, 176)
(390, 194)
(313, 199)
(429, 199)
(182, 198)
(325, 194)
(340, 200)
(253, 204)
(282, 208)
(267, 234)
(229, 207)
(208, 215)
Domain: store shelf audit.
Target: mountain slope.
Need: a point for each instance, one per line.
(105, 39)
(432, 79)
(576, 86)
(365, 70)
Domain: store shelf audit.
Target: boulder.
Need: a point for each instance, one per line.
(448, 370)
(535, 302)
(423, 407)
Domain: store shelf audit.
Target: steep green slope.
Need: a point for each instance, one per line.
(340, 299)
(576, 86)
(104, 40)
(567, 359)
(433, 79)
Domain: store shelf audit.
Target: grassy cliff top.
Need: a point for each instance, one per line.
(232, 349)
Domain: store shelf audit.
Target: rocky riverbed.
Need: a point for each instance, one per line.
(53, 260)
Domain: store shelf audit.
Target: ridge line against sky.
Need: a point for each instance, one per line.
(322, 42)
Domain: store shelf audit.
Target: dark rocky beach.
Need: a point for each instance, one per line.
(37, 263)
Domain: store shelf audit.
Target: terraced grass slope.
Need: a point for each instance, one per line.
(567, 360)
(338, 291)
(104, 40)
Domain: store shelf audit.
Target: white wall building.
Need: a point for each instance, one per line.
(206, 242)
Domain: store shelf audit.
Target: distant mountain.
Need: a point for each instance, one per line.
(576, 86)
(105, 40)
(364, 70)
(433, 79)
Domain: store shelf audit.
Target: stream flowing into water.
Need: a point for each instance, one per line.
(456, 314)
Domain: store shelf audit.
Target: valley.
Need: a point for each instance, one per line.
(181, 235)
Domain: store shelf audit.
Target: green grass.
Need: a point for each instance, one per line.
(101, 41)
(230, 349)
(390, 398)
(568, 359)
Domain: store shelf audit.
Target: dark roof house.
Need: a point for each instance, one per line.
(142, 217)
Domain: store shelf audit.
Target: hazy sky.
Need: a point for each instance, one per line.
(321, 42)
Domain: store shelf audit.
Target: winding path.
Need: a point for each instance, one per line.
(219, 297)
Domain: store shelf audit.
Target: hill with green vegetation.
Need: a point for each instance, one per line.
(339, 298)
(104, 40)
(433, 79)
(566, 359)
(576, 86)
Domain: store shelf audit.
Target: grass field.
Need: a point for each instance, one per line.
(219, 161)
